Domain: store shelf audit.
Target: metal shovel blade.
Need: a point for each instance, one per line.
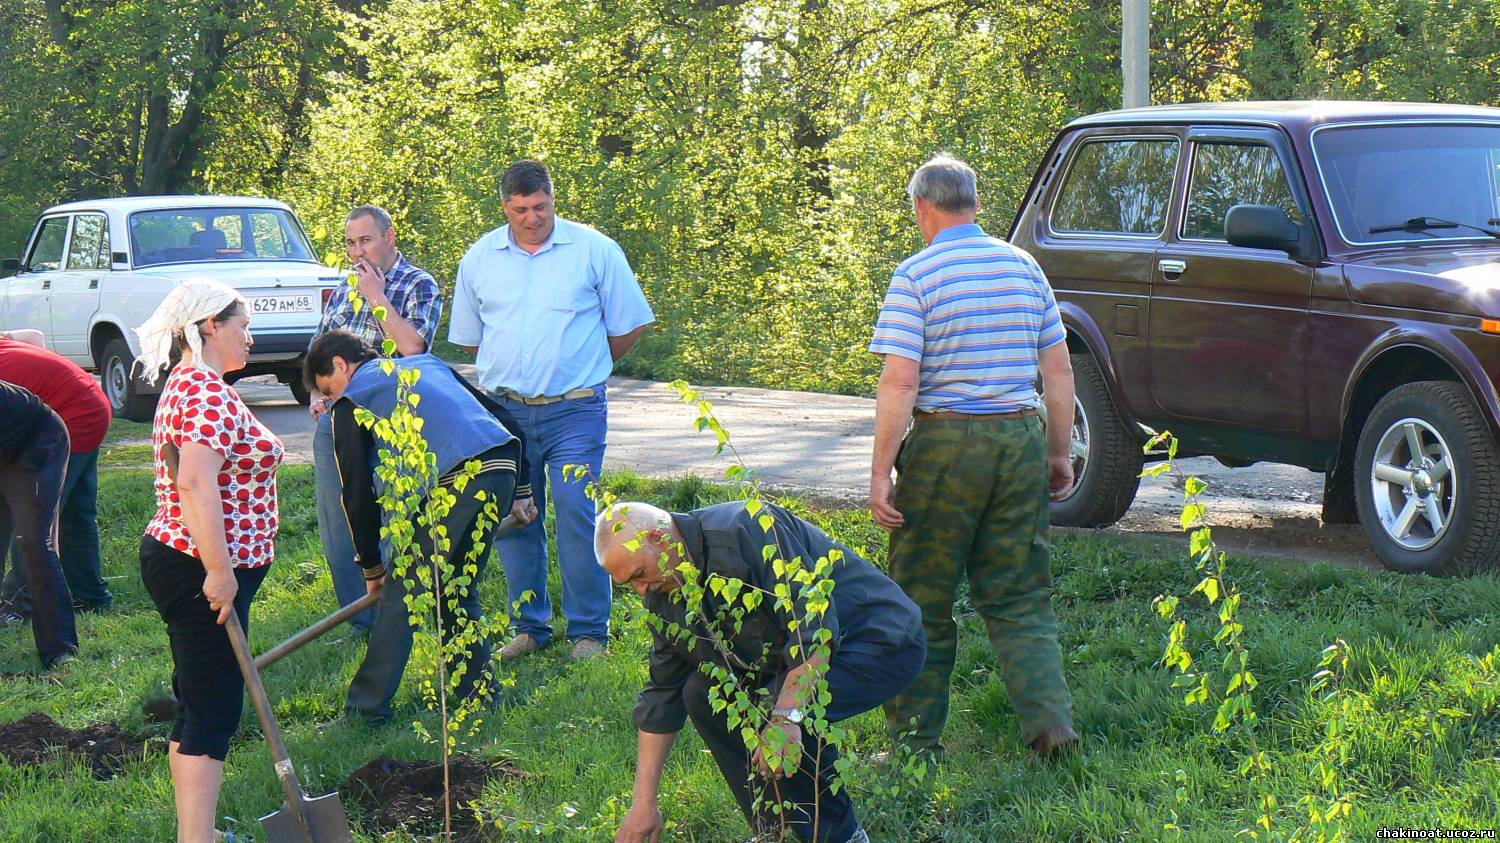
(326, 822)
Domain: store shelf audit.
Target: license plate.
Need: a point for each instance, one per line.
(282, 304)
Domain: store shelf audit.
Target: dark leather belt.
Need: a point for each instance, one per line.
(949, 415)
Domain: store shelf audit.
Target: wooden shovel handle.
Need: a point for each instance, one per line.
(296, 642)
(284, 771)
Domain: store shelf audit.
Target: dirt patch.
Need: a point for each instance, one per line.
(409, 794)
(36, 739)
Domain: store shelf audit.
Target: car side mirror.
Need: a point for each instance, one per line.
(10, 265)
(1263, 227)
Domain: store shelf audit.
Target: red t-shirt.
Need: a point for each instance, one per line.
(196, 405)
(67, 389)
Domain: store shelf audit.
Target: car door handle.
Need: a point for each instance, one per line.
(93, 283)
(1171, 267)
(46, 283)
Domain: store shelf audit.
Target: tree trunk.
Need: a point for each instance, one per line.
(810, 95)
(172, 148)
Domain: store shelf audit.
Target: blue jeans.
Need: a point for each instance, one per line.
(77, 542)
(565, 433)
(378, 678)
(860, 677)
(30, 496)
(338, 545)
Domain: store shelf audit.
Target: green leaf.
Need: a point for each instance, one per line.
(1191, 514)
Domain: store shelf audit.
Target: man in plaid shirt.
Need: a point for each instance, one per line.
(409, 299)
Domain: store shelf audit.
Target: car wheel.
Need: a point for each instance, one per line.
(122, 390)
(1425, 481)
(299, 391)
(1107, 454)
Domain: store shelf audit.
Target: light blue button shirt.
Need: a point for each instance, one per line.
(543, 321)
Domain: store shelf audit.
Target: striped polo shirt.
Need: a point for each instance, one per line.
(975, 312)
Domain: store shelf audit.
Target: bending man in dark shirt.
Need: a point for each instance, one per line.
(33, 462)
(461, 424)
(875, 641)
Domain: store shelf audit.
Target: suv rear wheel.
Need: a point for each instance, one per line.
(122, 390)
(1426, 481)
(1107, 456)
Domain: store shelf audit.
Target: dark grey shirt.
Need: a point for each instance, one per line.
(868, 611)
(22, 411)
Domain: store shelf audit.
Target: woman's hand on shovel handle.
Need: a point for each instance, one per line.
(220, 587)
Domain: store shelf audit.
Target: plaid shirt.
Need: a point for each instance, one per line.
(413, 294)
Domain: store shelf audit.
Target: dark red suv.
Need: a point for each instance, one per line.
(1313, 283)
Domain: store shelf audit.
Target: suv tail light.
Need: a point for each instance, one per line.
(327, 294)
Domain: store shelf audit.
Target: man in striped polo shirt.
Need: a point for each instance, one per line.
(968, 324)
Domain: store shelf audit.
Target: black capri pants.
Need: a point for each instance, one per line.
(205, 677)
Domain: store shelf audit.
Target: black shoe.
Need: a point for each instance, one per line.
(1056, 739)
(9, 618)
(58, 661)
(91, 606)
(359, 720)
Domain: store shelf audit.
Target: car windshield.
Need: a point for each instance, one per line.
(185, 235)
(1384, 175)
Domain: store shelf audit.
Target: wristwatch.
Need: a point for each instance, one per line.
(790, 715)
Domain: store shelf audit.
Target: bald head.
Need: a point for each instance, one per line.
(630, 541)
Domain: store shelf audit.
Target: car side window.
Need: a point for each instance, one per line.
(47, 253)
(1117, 186)
(89, 248)
(1229, 174)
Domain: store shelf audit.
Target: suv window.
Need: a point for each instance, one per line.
(89, 248)
(216, 234)
(1229, 174)
(47, 252)
(1379, 176)
(1117, 186)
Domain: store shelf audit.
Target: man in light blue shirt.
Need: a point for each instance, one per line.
(547, 306)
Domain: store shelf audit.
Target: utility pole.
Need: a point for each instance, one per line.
(1135, 51)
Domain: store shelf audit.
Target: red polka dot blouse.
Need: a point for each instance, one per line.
(196, 405)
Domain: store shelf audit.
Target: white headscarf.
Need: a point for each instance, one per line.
(178, 315)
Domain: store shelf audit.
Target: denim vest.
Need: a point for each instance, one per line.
(457, 426)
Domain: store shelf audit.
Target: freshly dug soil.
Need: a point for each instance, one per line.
(36, 739)
(394, 794)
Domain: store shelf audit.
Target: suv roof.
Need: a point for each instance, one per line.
(1297, 112)
(127, 204)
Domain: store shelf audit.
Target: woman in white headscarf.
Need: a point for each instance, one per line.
(210, 543)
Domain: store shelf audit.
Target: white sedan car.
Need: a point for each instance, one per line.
(93, 271)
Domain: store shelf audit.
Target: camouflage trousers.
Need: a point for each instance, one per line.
(974, 493)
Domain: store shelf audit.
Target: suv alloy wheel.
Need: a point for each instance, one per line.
(1426, 481)
(1107, 455)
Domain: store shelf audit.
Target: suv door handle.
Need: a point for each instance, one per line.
(1169, 266)
(46, 283)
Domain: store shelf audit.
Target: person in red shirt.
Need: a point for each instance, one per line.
(71, 393)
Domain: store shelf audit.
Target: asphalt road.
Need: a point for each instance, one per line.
(819, 445)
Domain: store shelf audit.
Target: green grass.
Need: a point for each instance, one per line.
(1425, 725)
(121, 430)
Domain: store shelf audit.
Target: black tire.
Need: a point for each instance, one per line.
(126, 400)
(1466, 496)
(1106, 479)
(299, 391)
